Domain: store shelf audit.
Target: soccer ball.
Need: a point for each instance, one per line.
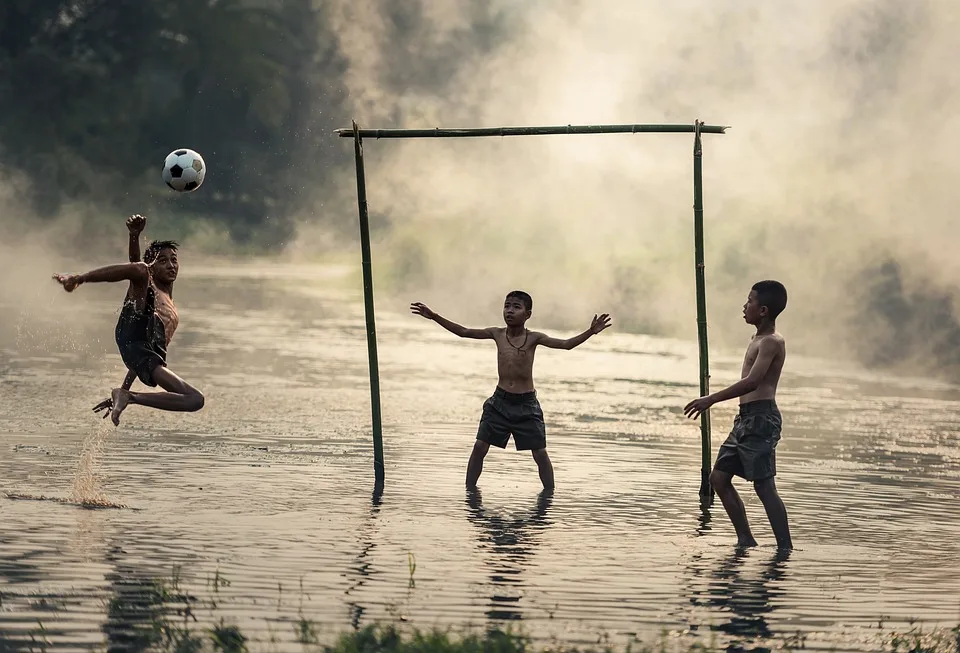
(184, 170)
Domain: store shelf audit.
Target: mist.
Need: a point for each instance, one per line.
(835, 178)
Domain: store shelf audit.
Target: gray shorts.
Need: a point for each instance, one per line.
(750, 451)
(507, 413)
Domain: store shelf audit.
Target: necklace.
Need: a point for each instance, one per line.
(519, 349)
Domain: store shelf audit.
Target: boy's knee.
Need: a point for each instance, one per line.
(720, 480)
(480, 448)
(766, 489)
(196, 401)
(540, 455)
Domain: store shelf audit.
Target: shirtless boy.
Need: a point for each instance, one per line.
(146, 325)
(513, 408)
(750, 449)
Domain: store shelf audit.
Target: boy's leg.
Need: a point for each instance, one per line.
(475, 465)
(776, 511)
(545, 467)
(494, 430)
(179, 395)
(721, 482)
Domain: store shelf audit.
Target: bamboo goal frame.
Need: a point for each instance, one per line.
(697, 129)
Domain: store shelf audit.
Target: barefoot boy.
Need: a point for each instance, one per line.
(135, 226)
(750, 449)
(513, 408)
(146, 325)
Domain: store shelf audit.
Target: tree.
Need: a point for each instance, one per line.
(95, 93)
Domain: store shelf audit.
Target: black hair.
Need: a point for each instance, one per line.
(523, 297)
(153, 249)
(773, 295)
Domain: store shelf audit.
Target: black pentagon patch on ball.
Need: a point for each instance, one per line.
(190, 185)
(197, 165)
(176, 171)
(180, 152)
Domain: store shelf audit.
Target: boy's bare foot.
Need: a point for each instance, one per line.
(120, 399)
(742, 544)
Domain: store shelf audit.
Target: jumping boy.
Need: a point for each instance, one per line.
(750, 449)
(146, 325)
(513, 408)
(135, 226)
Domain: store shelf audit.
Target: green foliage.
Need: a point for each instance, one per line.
(95, 93)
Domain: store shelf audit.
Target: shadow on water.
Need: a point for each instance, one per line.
(362, 566)
(511, 543)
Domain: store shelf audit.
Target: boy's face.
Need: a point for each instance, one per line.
(514, 312)
(166, 266)
(753, 312)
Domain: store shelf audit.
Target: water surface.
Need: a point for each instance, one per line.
(263, 500)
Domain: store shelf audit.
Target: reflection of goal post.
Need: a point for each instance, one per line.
(696, 129)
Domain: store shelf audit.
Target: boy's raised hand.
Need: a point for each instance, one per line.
(68, 281)
(421, 309)
(136, 223)
(599, 323)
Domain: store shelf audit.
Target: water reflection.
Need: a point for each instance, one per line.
(361, 567)
(144, 610)
(703, 521)
(508, 544)
(745, 598)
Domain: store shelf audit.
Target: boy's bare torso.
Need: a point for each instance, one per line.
(167, 312)
(515, 359)
(164, 306)
(768, 385)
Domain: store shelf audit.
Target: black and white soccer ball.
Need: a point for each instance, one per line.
(184, 170)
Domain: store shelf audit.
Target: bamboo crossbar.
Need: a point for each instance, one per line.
(530, 131)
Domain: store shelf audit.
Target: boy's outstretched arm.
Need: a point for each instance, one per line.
(479, 334)
(135, 225)
(136, 272)
(769, 348)
(599, 323)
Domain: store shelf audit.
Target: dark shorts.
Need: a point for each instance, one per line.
(142, 343)
(507, 413)
(750, 451)
(143, 359)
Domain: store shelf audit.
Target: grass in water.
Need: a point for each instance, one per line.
(917, 640)
(227, 638)
(150, 614)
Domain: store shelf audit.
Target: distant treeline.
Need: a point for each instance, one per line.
(94, 94)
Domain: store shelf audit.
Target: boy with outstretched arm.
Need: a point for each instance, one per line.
(146, 325)
(513, 408)
(750, 449)
(135, 226)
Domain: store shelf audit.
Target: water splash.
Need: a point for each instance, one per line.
(86, 477)
(92, 504)
(87, 491)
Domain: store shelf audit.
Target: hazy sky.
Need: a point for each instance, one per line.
(842, 150)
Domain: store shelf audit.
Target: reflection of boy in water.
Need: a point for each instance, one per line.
(146, 325)
(512, 541)
(745, 601)
(750, 449)
(513, 408)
